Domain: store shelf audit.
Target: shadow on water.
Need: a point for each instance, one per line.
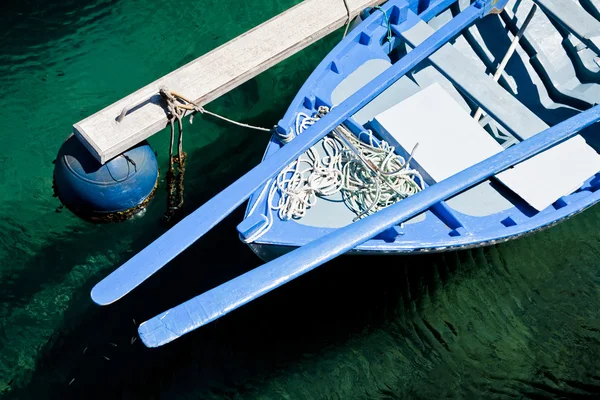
(55, 261)
(305, 317)
(36, 22)
(463, 314)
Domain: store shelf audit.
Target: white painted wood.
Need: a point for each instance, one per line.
(452, 141)
(215, 73)
(557, 172)
(449, 139)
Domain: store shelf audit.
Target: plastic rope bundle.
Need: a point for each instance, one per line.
(377, 177)
(369, 176)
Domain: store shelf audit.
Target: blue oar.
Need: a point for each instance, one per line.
(217, 302)
(177, 239)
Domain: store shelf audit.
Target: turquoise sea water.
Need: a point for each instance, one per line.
(517, 320)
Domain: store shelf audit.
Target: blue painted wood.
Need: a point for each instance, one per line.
(219, 301)
(432, 233)
(435, 8)
(177, 239)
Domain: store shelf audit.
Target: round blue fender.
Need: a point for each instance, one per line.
(113, 191)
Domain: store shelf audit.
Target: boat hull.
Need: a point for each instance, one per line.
(268, 252)
(447, 226)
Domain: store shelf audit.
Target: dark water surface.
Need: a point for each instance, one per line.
(517, 320)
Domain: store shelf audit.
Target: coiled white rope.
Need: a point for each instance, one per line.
(377, 177)
(369, 176)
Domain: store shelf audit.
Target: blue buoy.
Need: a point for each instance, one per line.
(110, 192)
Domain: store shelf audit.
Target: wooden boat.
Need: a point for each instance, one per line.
(396, 80)
(547, 190)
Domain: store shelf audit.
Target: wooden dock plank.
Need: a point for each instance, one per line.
(214, 73)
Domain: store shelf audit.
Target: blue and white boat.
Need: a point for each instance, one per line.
(434, 125)
(487, 213)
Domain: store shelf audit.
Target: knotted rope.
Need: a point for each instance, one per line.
(177, 107)
(370, 176)
(375, 177)
(176, 111)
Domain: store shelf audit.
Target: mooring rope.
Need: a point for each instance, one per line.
(186, 104)
(348, 18)
(176, 111)
(177, 107)
(370, 176)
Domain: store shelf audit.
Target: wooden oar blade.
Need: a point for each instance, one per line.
(219, 301)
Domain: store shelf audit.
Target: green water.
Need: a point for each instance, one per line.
(517, 320)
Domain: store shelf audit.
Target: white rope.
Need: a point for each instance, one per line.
(376, 179)
(369, 176)
(184, 103)
(205, 111)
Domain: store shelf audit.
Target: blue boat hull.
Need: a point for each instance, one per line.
(268, 252)
(446, 226)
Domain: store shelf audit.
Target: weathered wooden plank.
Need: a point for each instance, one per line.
(215, 73)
